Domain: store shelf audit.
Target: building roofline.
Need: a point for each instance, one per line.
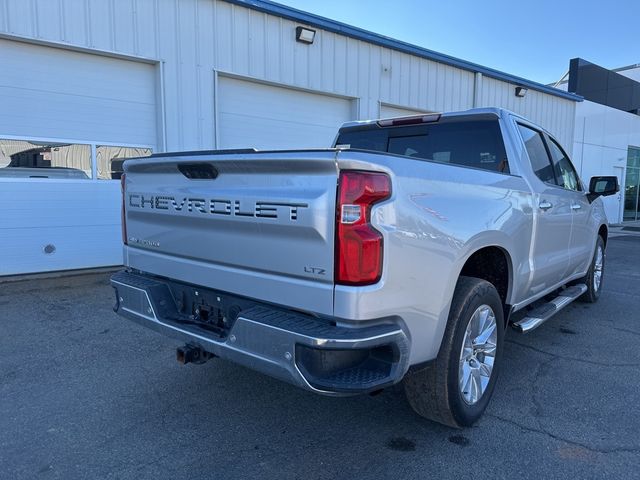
(334, 26)
(626, 67)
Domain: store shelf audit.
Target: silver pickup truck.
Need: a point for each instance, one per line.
(401, 254)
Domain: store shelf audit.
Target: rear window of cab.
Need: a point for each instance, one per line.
(468, 143)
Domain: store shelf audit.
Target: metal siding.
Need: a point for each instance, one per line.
(388, 111)
(74, 22)
(375, 72)
(362, 86)
(223, 39)
(188, 50)
(47, 19)
(100, 25)
(206, 56)
(239, 40)
(195, 37)
(145, 28)
(322, 23)
(286, 60)
(555, 114)
(257, 45)
(19, 17)
(327, 54)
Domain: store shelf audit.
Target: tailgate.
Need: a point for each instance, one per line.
(254, 224)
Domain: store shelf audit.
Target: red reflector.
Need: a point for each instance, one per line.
(123, 217)
(359, 245)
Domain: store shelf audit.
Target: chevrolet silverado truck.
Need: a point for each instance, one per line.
(401, 254)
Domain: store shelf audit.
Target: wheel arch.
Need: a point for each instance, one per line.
(603, 231)
(494, 264)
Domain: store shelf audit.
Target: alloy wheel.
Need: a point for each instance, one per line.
(478, 354)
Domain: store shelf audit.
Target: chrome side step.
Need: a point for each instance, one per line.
(538, 316)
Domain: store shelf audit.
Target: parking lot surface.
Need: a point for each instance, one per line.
(87, 394)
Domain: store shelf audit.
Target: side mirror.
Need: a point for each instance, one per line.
(602, 187)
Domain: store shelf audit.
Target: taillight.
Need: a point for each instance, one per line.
(358, 245)
(123, 218)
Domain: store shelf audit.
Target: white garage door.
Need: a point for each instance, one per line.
(59, 109)
(263, 116)
(56, 93)
(390, 111)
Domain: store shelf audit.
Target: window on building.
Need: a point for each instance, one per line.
(565, 173)
(537, 154)
(109, 159)
(26, 159)
(632, 186)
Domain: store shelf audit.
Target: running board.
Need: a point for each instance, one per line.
(538, 316)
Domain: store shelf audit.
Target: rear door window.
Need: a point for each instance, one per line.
(476, 144)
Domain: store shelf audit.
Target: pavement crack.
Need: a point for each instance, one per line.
(574, 359)
(625, 330)
(543, 431)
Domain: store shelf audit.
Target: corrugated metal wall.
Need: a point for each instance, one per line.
(195, 37)
(555, 114)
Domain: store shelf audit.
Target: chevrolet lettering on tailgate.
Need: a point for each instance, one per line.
(216, 206)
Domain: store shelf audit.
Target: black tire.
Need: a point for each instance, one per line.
(594, 288)
(434, 391)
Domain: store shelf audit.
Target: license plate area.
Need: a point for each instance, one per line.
(210, 317)
(211, 311)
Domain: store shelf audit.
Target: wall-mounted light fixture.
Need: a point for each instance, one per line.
(521, 91)
(305, 35)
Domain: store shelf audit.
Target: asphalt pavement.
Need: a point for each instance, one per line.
(86, 394)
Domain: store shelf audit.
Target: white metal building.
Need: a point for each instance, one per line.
(607, 138)
(86, 82)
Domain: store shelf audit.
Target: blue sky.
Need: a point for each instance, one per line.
(532, 39)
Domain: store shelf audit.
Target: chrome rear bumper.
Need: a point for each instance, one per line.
(312, 353)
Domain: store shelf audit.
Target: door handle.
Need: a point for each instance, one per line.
(576, 206)
(544, 205)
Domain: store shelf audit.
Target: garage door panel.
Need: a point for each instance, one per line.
(23, 251)
(252, 114)
(36, 67)
(83, 118)
(68, 203)
(271, 133)
(56, 93)
(81, 219)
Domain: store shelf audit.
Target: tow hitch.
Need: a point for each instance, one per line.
(191, 353)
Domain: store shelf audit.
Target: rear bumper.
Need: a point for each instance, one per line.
(306, 351)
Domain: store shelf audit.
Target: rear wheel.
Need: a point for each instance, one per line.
(455, 388)
(595, 275)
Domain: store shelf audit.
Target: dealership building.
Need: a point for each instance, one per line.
(607, 131)
(87, 83)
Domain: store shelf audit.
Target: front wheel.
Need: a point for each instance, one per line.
(595, 275)
(456, 387)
